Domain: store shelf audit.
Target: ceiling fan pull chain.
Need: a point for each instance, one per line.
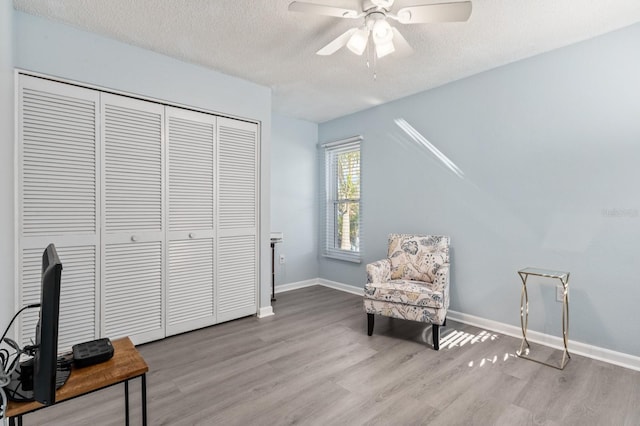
(375, 65)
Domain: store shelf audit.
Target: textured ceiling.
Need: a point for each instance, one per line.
(260, 41)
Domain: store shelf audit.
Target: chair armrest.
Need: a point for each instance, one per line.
(379, 272)
(441, 282)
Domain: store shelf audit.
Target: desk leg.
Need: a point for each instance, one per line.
(144, 399)
(126, 402)
(143, 391)
(524, 315)
(565, 321)
(273, 272)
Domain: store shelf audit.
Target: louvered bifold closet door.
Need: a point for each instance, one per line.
(58, 203)
(237, 219)
(133, 222)
(190, 255)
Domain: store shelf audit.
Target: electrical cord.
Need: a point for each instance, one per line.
(3, 400)
(9, 362)
(9, 368)
(24, 308)
(5, 379)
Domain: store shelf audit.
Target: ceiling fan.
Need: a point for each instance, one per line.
(386, 39)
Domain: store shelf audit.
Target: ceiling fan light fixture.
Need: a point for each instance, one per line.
(386, 4)
(358, 41)
(384, 49)
(382, 32)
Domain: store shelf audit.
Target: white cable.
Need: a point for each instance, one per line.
(10, 365)
(5, 379)
(4, 406)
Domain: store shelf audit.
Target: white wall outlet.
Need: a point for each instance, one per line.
(559, 293)
(282, 259)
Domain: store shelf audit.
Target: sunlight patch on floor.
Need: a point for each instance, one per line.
(457, 339)
(460, 338)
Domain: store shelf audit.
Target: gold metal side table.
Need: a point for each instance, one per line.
(524, 312)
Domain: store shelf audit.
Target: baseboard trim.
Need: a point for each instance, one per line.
(342, 287)
(296, 285)
(267, 311)
(578, 348)
(320, 281)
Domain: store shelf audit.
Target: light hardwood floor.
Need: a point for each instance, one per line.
(313, 364)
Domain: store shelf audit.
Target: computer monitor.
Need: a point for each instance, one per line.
(39, 377)
(46, 354)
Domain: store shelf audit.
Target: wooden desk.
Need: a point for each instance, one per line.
(126, 364)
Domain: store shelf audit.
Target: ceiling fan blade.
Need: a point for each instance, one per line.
(337, 43)
(430, 13)
(403, 48)
(320, 9)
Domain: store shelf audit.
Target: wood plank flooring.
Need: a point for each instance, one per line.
(313, 364)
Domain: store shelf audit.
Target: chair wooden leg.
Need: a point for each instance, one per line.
(369, 324)
(435, 328)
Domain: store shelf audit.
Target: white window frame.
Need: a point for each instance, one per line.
(329, 200)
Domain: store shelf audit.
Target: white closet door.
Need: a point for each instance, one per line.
(133, 222)
(58, 203)
(237, 219)
(190, 172)
(77, 322)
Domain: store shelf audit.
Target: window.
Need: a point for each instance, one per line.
(341, 203)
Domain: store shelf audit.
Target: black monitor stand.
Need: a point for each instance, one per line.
(21, 387)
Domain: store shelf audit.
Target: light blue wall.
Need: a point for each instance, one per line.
(58, 50)
(549, 149)
(294, 201)
(6, 165)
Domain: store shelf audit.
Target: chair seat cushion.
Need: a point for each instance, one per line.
(406, 312)
(408, 292)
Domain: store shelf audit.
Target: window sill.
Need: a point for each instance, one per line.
(352, 257)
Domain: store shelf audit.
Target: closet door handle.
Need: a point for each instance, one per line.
(134, 238)
(192, 235)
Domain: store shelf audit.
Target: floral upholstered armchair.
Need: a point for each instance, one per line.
(412, 283)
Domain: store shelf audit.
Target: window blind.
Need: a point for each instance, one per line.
(340, 204)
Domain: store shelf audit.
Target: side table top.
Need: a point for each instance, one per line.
(544, 273)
